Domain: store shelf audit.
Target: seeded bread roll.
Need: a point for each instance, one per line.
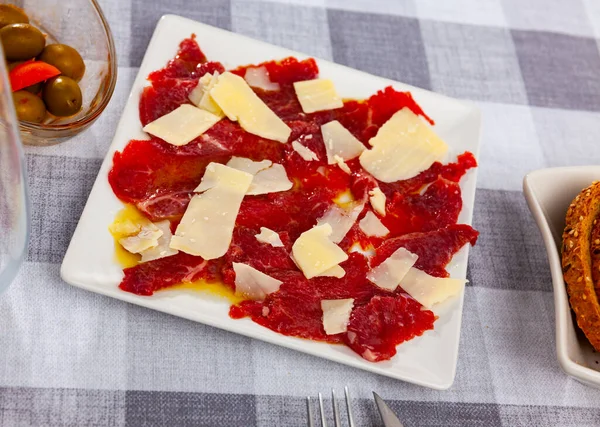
(577, 261)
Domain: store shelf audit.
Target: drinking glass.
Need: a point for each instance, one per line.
(14, 200)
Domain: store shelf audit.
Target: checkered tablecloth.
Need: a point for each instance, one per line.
(70, 357)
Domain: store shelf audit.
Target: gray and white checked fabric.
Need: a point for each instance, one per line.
(73, 358)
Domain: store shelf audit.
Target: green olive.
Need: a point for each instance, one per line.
(13, 65)
(65, 58)
(10, 14)
(62, 96)
(21, 41)
(35, 89)
(29, 107)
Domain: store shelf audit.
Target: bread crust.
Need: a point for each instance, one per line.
(577, 261)
(595, 256)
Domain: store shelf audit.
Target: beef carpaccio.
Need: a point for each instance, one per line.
(421, 212)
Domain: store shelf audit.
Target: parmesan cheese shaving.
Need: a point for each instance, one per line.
(270, 180)
(336, 315)
(372, 226)
(248, 165)
(258, 77)
(429, 290)
(162, 249)
(182, 125)
(315, 253)
(390, 272)
(335, 271)
(404, 147)
(304, 152)
(207, 225)
(146, 238)
(317, 95)
(269, 237)
(197, 93)
(239, 103)
(268, 177)
(343, 166)
(341, 220)
(377, 200)
(253, 283)
(340, 142)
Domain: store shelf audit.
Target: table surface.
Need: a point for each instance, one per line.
(69, 357)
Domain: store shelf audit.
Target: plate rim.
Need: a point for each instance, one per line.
(67, 276)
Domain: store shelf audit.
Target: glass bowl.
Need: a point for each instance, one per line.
(82, 25)
(14, 200)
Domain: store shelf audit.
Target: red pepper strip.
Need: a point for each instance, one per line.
(30, 73)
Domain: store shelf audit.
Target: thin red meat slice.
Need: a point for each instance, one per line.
(450, 171)
(171, 85)
(291, 211)
(169, 91)
(455, 171)
(148, 277)
(163, 97)
(438, 207)
(435, 248)
(375, 329)
(166, 204)
(284, 103)
(364, 118)
(184, 65)
(290, 70)
(296, 308)
(210, 68)
(363, 181)
(355, 116)
(236, 141)
(330, 179)
(285, 71)
(388, 101)
(356, 236)
(297, 167)
(185, 70)
(246, 249)
(148, 173)
(307, 134)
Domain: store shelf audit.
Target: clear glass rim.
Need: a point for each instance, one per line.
(12, 268)
(107, 91)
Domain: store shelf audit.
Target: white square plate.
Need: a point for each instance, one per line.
(549, 192)
(429, 360)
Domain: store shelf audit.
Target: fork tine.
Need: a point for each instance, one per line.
(323, 420)
(310, 414)
(336, 412)
(349, 408)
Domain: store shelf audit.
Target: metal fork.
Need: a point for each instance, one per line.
(336, 412)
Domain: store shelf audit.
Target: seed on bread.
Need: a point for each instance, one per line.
(581, 260)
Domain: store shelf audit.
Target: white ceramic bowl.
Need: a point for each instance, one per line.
(549, 193)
